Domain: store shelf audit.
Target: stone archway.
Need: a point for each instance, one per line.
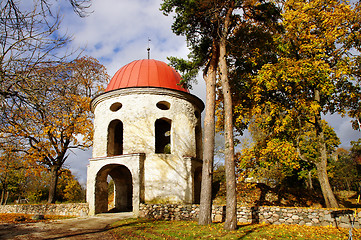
(123, 188)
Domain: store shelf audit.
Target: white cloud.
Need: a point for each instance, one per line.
(117, 32)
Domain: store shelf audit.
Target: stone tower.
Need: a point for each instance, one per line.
(147, 138)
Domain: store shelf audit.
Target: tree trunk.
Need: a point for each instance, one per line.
(309, 181)
(231, 205)
(321, 164)
(327, 192)
(7, 197)
(54, 173)
(205, 208)
(348, 185)
(2, 197)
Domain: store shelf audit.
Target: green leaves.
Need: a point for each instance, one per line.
(187, 69)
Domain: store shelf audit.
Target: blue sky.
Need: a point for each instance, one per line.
(117, 32)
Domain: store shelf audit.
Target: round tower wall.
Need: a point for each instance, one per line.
(149, 118)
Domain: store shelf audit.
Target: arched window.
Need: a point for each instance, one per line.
(197, 180)
(198, 134)
(162, 136)
(115, 138)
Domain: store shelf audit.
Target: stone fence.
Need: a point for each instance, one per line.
(66, 209)
(270, 215)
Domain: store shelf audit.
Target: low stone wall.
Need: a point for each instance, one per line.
(66, 209)
(169, 211)
(298, 216)
(270, 215)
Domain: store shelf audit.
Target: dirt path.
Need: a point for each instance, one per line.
(93, 227)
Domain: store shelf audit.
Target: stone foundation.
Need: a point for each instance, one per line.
(270, 215)
(67, 209)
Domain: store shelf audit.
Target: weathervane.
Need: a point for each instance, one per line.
(148, 49)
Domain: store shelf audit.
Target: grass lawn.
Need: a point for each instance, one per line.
(153, 229)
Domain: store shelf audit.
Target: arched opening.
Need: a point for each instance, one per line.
(198, 135)
(123, 189)
(197, 180)
(163, 136)
(115, 138)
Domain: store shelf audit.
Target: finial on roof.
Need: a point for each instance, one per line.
(148, 49)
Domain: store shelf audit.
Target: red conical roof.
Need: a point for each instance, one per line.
(146, 73)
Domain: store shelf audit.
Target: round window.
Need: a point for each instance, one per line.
(163, 105)
(116, 106)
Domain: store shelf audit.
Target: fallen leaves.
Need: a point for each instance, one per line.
(25, 218)
(151, 229)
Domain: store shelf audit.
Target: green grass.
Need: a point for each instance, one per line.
(153, 229)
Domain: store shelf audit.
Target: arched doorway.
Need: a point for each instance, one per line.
(123, 189)
(197, 180)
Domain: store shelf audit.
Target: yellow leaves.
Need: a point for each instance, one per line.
(271, 159)
(314, 107)
(316, 28)
(68, 188)
(280, 151)
(57, 108)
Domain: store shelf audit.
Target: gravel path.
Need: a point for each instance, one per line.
(92, 227)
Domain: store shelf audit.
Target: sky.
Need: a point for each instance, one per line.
(116, 32)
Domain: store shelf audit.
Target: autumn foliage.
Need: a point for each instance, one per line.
(50, 113)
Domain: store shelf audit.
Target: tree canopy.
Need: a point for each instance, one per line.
(315, 71)
(53, 114)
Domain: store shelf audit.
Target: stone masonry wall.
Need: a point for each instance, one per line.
(270, 215)
(169, 211)
(67, 209)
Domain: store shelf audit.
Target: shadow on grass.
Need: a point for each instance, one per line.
(104, 230)
(136, 231)
(246, 229)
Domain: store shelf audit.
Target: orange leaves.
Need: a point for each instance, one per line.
(53, 108)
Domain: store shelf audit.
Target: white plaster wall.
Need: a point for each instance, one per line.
(167, 177)
(138, 114)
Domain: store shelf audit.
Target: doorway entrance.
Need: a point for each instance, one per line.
(122, 189)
